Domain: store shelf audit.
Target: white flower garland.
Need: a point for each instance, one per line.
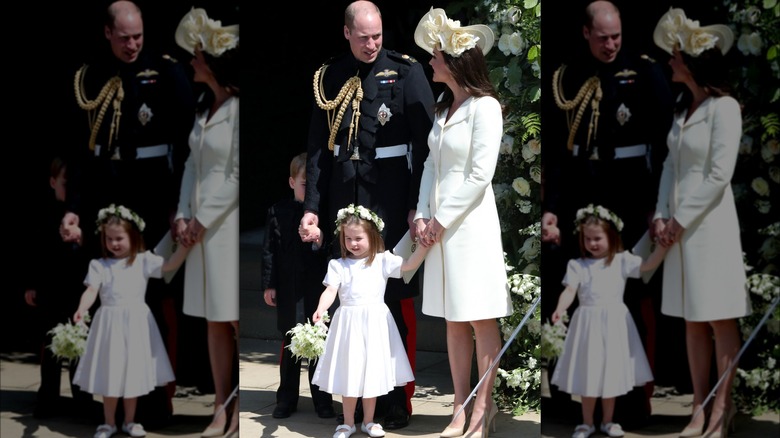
(308, 340)
(360, 212)
(599, 212)
(69, 340)
(122, 212)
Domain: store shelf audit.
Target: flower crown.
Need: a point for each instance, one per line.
(359, 212)
(196, 29)
(599, 212)
(121, 212)
(674, 29)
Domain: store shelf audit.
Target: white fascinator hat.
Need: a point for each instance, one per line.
(436, 31)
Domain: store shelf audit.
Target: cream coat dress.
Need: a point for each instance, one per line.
(209, 193)
(704, 277)
(465, 278)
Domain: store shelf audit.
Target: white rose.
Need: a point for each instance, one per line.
(750, 43)
(524, 206)
(774, 174)
(219, 40)
(745, 145)
(760, 186)
(535, 145)
(521, 186)
(528, 154)
(516, 43)
(766, 153)
(763, 206)
(461, 41)
(774, 146)
(536, 174)
(507, 144)
(503, 44)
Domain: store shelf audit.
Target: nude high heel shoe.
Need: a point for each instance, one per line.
(726, 424)
(488, 420)
(453, 432)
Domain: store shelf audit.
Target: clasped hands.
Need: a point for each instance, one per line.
(667, 231)
(188, 232)
(427, 231)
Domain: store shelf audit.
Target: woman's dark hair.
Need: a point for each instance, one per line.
(709, 70)
(470, 72)
(226, 69)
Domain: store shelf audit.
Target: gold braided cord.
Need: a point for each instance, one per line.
(351, 92)
(590, 92)
(112, 91)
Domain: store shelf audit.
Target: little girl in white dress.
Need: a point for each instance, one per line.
(125, 355)
(364, 354)
(603, 354)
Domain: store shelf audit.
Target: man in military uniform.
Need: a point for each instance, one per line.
(367, 145)
(612, 112)
(140, 110)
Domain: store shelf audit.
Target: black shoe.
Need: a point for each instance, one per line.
(325, 411)
(358, 414)
(283, 410)
(396, 418)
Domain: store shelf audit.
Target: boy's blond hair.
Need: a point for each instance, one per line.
(297, 164)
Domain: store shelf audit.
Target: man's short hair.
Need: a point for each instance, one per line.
(352, 11)
(589, 12)
(110, 14)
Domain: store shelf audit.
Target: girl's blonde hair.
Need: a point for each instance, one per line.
(136, 239)
(613, 236)
(375, 242)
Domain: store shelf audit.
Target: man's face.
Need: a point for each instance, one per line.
(126, 37)
(604, 37)
(365, 38)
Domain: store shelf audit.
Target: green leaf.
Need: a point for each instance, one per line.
(771, 53)
(529, 4)
(533, 53)
(769, 4)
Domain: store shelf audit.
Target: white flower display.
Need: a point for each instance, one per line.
(69, 340)
(774, 174)
(767, 154)
(553, 338)
(745, 145)
(507, 144)
(760, 186)
(750, 43)
(308, 340)
(511, 43)
(521, 186)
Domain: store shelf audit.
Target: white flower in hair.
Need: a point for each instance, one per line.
(599, 212)
(360, 212)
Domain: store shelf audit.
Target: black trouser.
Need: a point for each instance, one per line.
(290, 380)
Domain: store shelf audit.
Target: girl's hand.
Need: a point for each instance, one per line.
(78, 316)
(658, 229)
(317, 316)
(179, 228)
(556, 316)
(419, 230)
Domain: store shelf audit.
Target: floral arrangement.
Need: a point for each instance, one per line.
(69, 340)
(599, 212)
(196, 29)
(308, 340)
(553, 338)
(515, 70)
(119, 211)
(360, 212)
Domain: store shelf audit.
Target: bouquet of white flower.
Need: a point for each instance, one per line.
(69, 340)
(308, 340)
(553, 338)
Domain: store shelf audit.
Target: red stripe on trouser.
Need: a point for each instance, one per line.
(407, 310)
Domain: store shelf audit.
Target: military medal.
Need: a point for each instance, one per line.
(623, 114)
(144, 114)
(384, 114)
(355, 154)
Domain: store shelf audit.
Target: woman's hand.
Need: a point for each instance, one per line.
(433, 232)
(193, 233)
(179, 229)
(674, 230)
(419, 230)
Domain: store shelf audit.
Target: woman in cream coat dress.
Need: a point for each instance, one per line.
(465, 279)
(207, 216)
(704, 276)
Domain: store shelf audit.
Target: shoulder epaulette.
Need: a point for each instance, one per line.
(647, 58)
(402, 57)
(170, 58)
